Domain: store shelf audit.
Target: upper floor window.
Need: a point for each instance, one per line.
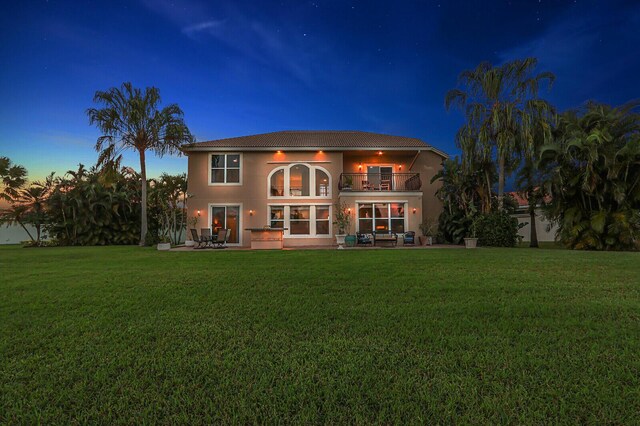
(225, 169)
(322, 183)
(277, 183)
(299, 180)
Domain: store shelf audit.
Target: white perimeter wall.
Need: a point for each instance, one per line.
(15, 234)
(541, 227)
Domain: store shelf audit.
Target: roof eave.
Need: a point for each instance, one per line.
(309, 149)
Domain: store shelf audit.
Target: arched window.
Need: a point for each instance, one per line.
(277, 183)
(299, 180)
(322, 184)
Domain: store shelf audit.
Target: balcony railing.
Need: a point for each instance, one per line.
(379, 182)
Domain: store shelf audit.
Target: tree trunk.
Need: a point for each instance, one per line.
(488, 201)
(533, 231)
(143, 199)
(501, 161)
(26, 230)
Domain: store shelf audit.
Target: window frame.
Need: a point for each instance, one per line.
(312, 183)
(225, 168)
(209, 219)
(312, 218)
(389, 217)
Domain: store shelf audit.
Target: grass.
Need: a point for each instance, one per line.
(127, 335)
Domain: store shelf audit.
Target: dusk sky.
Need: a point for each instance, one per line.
(246, 67)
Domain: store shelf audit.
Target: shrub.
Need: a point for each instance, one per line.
(497, 230)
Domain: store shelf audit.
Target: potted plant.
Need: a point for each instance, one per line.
(428, 230)
(342, 222)
(192, 222)
(347, 183)
(164, 243)
(350, 240)
(471, 241)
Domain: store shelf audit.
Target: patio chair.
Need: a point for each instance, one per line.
(196, 239)
(366, 185)
(221, 239)
(409, 238)
(206, 237)
(385, 185)
(362, 239)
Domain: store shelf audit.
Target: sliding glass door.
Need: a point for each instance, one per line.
(226, 217)
(380, 177)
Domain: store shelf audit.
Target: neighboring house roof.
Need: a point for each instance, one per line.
(308, 140)
(522, 201)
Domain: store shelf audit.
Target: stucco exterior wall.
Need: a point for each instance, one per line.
(252, 194)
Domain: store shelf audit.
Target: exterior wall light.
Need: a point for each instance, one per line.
(360, 166)
(251, 212)
(414, 210)
(379, 152)
(349, 211)
(198, 213)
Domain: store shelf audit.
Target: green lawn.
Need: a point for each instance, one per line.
(129, 335)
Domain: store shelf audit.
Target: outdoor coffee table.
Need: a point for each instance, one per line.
(385, 238)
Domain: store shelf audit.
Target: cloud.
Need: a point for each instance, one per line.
(274, 45)
(206, 27)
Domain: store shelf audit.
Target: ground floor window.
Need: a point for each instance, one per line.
(226, 217)
(381, 217)
(299, 217)
(323, 220)
(301, 220)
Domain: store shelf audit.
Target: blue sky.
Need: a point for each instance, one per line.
(242, 67)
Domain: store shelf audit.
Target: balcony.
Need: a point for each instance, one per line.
(380, 182)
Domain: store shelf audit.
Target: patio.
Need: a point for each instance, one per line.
(183, 248)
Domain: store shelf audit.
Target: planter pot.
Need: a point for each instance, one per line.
(470, 243)
(164, 246)
(340, 240)
(350, 240)
(189, 243)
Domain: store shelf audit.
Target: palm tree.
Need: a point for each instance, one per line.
(132, 119)
(530, 178)
(593, 176)
(168, 198)
(29, 206)
(495, 101)
(13, 178)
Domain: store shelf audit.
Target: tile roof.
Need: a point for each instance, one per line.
(301, 139)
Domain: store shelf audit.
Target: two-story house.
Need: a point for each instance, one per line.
(295, 179)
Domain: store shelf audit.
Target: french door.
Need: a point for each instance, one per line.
(380, 177)
(226, 217)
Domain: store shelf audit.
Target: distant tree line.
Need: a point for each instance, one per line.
(96, 207)
(581, 167)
